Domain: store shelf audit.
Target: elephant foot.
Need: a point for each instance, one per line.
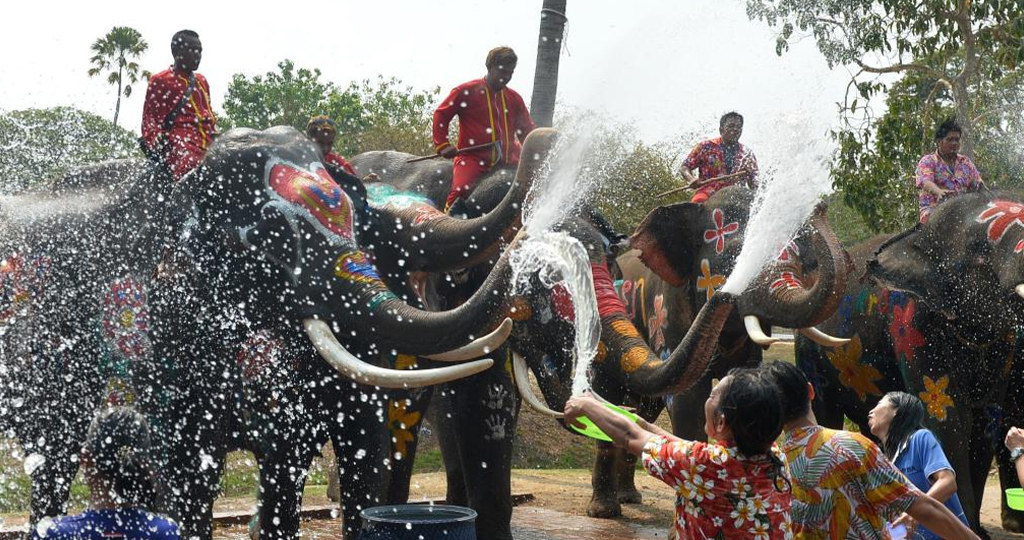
(604, 508)
(982, 532)
(630, 496)
(1013, 521)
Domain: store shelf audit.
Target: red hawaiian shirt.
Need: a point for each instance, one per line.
(719, 492)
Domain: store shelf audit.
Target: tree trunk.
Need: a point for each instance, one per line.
(117, 108)
(963, 117)
(549, 47)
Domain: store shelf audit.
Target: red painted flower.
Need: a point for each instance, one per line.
(125, 323)
(787, 280)
(905, 337)
(721, 230)
(790, 247)
(1020, 247)
(657, 323)
(1004, 214)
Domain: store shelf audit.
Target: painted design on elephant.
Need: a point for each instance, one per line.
(634, 359)
(887, 300)
(720, 230)
(785, 281)
(380, 195)
(935, 398)
(1019, 248)
(259, 355)
(906, 339)
(632, 295)
(21, 280)
(425, 213)
(608, 301)
(519, 309)
(315, 195)
(496, 396)
(657, 323)
(867, 302)
(382, 296)
(119, 392)
(625, 328)
(124, 325)
(845, 314)
(1003, 215)
(497, 428)
(401, 421)
(353, 266)
(853, 373)
(405, 361)
(561, 300)
(707, 281)
(789, 252)
(602, 352)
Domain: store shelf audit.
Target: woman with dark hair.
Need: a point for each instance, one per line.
(944, 172)
(116, 465)
(734, 488)
(898, 421)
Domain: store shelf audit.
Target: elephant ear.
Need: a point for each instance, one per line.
(674, 231)
(902, 264)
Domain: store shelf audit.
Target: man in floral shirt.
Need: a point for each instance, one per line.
(844, 488)
(720, 157)
(944, 172)
(733, 489)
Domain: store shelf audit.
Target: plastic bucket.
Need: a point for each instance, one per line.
(1015, 498)
(418, 522)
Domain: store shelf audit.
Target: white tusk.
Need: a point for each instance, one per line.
(1020, 290)
(477, 347)
(348, 365)
(757, 335)
(522, 377)
(821, 338)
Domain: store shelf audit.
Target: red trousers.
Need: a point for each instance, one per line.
(183, 156)
(465, 172)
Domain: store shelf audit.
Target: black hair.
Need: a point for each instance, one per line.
(180, 37)
(751, 407)
(119, 446)
(731, 114)
(945, 128)
(909, 418)
(792, 385)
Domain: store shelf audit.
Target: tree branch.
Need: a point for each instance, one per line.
(899, 68)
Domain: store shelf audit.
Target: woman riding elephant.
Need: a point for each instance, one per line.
(274, 247)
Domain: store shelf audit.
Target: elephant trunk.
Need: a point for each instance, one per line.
(782, 296)
(434, 242)
(647, 374)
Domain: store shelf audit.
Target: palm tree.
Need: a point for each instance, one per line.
(116, 52)
(549, 47)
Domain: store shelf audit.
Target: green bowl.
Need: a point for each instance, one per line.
(1015, 498)
(595, 432)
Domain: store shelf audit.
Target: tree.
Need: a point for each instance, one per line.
(37, 145)
(549, 48)
(116, 52)
(396, 118)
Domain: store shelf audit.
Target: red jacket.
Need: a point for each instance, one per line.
(484, 116)
(341, 162)
(194, 125)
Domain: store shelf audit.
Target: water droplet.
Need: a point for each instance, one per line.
(33, 462)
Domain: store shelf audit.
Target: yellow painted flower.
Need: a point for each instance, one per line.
(625, 328)
(935, 397)
(708, 281)
(853, 373)
(405, 361)
(602, 352)
(634, 358)
(400, 423)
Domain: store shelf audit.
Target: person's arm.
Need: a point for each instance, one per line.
(943, 485)
(653, 428)
(934, 515)
(934, 189)
(692, 161)
(1015, 439)
(622, 431)
(442, 120)
(925, 178)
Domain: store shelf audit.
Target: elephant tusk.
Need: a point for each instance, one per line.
(1020, 290)
(821, 338)
(478, 347)
(347, 364)
(753, 325)
(522, 376)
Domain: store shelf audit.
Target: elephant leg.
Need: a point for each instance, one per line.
(486, 413)
(627, 479)
(687, 411)
(604, 500)
(405, 418)
(362, 448)
(443, 418)
(283, 473)
(957, 427)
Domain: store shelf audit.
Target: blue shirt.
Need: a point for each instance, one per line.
(120, 523)
(921, 458)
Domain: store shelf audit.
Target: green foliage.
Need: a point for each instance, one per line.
(117, 52)
(40, 144)
(370, 115)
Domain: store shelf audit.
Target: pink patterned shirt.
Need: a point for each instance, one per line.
(958, 179)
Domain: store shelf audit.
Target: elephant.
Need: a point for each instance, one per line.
(919, 304)
(99, 299)
(543, 333)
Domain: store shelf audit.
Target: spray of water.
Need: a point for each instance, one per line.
(795, 179)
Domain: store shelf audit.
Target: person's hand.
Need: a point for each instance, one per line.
(371, 176)
(907, 521)
(943, 193)
(576, 406)
(1014, 438)
(449, 152)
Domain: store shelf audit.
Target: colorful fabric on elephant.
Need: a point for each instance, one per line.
(709, 158)
(123, 523)
(608, 301)
(958, 179)
(193, 128)
(720, 493)
(844, 488)
(919, 459)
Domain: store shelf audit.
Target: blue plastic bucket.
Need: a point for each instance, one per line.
(418, 522)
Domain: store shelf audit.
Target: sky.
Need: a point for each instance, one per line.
(668, 67)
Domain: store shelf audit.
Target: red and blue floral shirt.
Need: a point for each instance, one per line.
(958, 179)
(711, 158)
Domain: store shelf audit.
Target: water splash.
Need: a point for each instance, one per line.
(795, 179)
